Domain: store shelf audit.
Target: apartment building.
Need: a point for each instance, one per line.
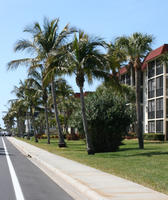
(154, 91)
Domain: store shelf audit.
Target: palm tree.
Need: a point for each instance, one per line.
(64, 92)
(45, 39)
(136, 47)
(35, 80)
(28, 100)
(85, 61)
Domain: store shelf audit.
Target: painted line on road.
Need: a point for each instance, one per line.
(15, 181)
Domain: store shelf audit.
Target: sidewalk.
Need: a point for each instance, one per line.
(83, 182)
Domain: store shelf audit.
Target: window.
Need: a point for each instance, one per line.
(159, 108)
(167, 108)
(128, 81)
(159, 126)
(166, 85)
(151, 109)
(151, 88)
(166, 68)
(141, 95)
(159, 86)
(141, 78)
(123, 79)
(151, 127)
(151, 69)
(159, 67)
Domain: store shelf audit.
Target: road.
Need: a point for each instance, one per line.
(20, 179)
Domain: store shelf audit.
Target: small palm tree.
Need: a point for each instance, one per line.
(136, 47)
(35, 80)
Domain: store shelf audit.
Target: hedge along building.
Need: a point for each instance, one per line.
(154, 91)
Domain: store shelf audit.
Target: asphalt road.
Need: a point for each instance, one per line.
(20, 179)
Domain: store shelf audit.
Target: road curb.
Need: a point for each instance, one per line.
(83, 189)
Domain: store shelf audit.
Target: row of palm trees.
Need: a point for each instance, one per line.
(54, 53)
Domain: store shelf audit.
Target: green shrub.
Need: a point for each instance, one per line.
(131, 135)
(154, 136)
(108, 119)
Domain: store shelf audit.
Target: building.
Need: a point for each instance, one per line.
(154, 88)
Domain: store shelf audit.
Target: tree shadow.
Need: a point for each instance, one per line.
(150, 154)
(3, 153)
(135, 154)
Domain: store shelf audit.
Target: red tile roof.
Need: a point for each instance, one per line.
(154, 53)
(123, 70)
(77, 94)
(150, 56)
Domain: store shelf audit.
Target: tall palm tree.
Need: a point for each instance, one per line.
(86, 62)
(45, 39)
(136, 47)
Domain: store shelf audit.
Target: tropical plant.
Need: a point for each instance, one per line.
(136, 47)
(85, 60)
(35, 80)
(45, 40)
(108, 118)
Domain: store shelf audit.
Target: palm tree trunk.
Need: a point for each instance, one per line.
(61, 142)
(18, 126)
(47, 124)
(28, 126)
(138, 107)
(34, 127)
(90, 148)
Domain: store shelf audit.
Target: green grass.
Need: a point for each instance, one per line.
(148, 167)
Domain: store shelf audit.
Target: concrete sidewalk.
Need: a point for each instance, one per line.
(83, 182)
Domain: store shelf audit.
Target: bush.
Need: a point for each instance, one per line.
(108, 119)
(131, 135)
(72, 137)
(44, 136)
(154, 136)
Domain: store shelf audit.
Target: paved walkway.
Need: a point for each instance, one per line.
(89, 182)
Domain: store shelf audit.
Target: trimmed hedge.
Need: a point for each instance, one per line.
(154, 136)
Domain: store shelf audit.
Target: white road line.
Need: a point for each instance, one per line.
(16, 185)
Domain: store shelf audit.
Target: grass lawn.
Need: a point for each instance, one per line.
(148, 167)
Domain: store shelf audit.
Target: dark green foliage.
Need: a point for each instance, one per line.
(154, 136)
(108, 119)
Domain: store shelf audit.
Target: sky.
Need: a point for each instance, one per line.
(104, 18)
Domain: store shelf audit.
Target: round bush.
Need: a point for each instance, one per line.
(108, 117)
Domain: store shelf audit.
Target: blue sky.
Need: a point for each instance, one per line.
(105, 18)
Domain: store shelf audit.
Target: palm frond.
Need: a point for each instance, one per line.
(14, 64)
